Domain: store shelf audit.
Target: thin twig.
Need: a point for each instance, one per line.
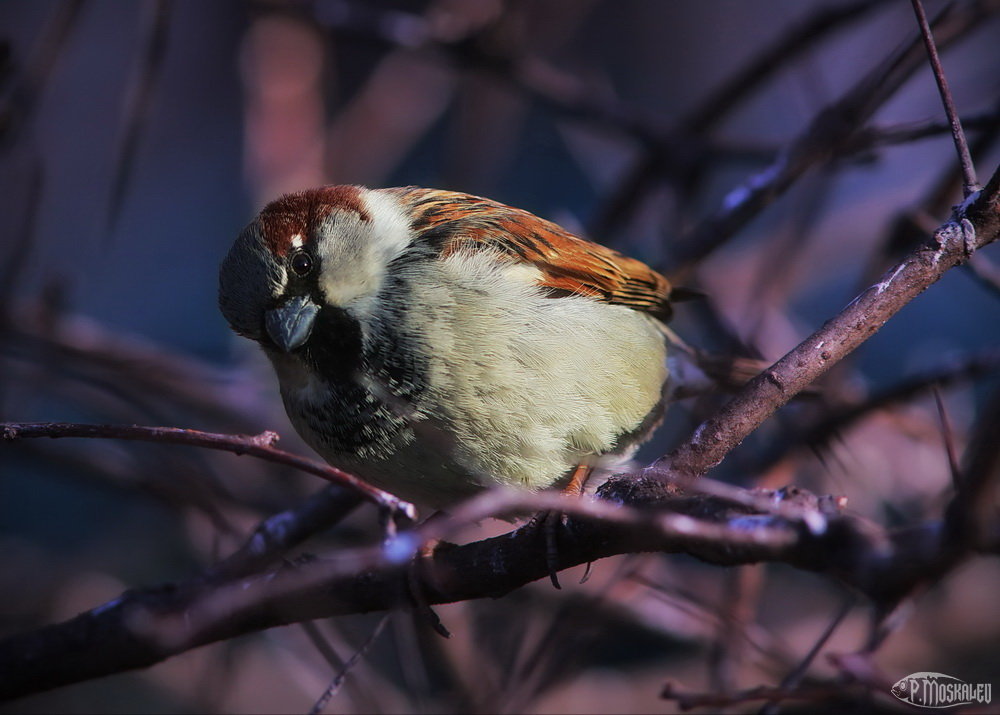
(822, 140)
(961, 146)
(794, 678)
(971, 514)
(260, 446)
(338, 679)
(948, 435)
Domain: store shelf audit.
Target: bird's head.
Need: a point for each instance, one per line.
(309, 258)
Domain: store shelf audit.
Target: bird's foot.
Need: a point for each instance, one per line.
(551, 521)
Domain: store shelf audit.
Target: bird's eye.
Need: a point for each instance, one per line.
(302, 263)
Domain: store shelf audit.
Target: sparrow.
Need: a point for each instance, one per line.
(437, 343)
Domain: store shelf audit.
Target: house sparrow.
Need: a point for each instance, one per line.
(437, 343)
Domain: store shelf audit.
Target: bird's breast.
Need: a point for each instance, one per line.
(352, 391)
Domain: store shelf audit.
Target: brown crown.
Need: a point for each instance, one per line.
(301, 212)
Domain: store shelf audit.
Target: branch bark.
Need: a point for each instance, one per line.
(260, 446)
(974, 224)
(144, 627)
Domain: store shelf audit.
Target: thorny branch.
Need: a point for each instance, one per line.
(729, 527)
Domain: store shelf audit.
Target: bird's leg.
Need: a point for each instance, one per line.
(550, 520)
(578, 481)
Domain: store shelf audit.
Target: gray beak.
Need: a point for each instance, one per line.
(290, 324)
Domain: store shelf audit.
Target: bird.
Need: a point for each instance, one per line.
(437, 344)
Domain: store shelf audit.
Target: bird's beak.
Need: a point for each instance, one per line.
(290, 324)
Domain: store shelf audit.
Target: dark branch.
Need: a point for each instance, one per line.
(719, 104)
(817, 433)
(281, 532)
(874, 137)
(143, 627)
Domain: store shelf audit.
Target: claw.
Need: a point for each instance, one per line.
(550, 521)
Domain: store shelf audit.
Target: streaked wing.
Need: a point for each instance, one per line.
(569, 265)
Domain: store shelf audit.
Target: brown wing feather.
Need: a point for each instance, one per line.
(569, 265)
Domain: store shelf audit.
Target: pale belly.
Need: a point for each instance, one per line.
(518, 389)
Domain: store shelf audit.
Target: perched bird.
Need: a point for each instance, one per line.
(437, 343)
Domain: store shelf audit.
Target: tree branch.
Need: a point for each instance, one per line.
(144, 627)
(279, 533)
(973, 225)
(719, 104)
(823, 138)
(260, 446)
(961, 146)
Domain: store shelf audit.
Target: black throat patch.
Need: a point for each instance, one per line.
(373, 383)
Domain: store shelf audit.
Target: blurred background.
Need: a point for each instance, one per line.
(136, 139)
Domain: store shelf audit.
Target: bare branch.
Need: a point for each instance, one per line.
(974, 224)
(792, 42)
(824, 138)
(260, 446)
(970, 514)
(338, 679)
(818, 433)
(873, 137)
(280, 532)
(143, 627)
(961, 146)
(794, 678)
(562, 92)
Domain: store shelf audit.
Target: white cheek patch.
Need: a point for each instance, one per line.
(360, 278)
(356, 252)
(390, 225)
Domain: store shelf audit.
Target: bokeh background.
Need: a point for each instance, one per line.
(137, 138)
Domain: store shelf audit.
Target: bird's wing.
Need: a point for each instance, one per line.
(568, 264)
